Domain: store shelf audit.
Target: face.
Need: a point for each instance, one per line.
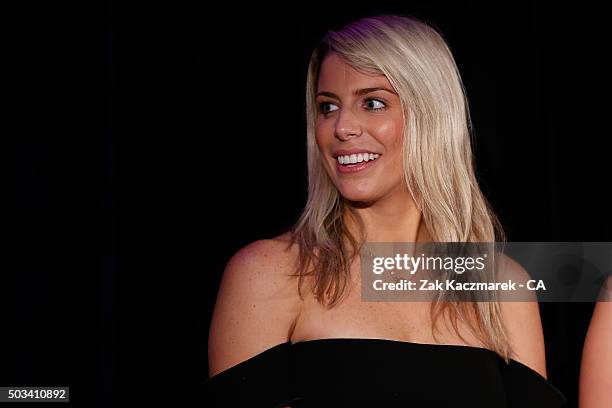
(359, 131)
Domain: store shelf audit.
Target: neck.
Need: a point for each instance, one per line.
(392, 219)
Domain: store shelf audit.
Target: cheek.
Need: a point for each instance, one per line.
(390, 131)
(323, 133)
(390, 134)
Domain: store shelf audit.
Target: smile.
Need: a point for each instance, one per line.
(356, 162)
(357, 158)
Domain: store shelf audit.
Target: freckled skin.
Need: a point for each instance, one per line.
(349, 121)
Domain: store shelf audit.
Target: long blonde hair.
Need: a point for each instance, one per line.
(437, 157)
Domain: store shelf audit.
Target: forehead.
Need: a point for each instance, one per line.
(337, 75)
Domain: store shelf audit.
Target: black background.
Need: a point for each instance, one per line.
(148, 143)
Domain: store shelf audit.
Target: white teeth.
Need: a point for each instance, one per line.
(357, 158)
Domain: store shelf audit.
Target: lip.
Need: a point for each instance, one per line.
(353, 168)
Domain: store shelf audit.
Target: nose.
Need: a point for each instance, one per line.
(347, 125)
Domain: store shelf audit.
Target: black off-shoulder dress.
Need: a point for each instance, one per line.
(358, 372)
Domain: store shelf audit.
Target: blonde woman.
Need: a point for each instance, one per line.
(389, 160)
(596, 367)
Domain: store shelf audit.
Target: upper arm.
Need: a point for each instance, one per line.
(255, 308)
(596, 366)
(523, 324)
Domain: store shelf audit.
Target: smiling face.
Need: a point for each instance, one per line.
(359, 131)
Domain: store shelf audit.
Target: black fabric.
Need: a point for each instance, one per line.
(263, 380)
(355, 372)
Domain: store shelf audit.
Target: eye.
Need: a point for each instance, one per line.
(375, 104)
(326, 107)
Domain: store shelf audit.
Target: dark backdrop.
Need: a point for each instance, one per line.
(150, 143)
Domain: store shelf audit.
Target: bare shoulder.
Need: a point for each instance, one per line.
(510, 268)
(595, 368)
(257, 303)
(601, 321)
(266, 260)
(606, 291)
(522, 320)
(603, 308)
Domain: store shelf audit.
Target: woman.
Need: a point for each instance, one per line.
(596, 368)
(389, 160)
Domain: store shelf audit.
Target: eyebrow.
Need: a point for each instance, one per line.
(357, 92)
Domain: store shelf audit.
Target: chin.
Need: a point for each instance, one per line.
(365, 196)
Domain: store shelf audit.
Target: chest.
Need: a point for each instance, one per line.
(352, 317)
